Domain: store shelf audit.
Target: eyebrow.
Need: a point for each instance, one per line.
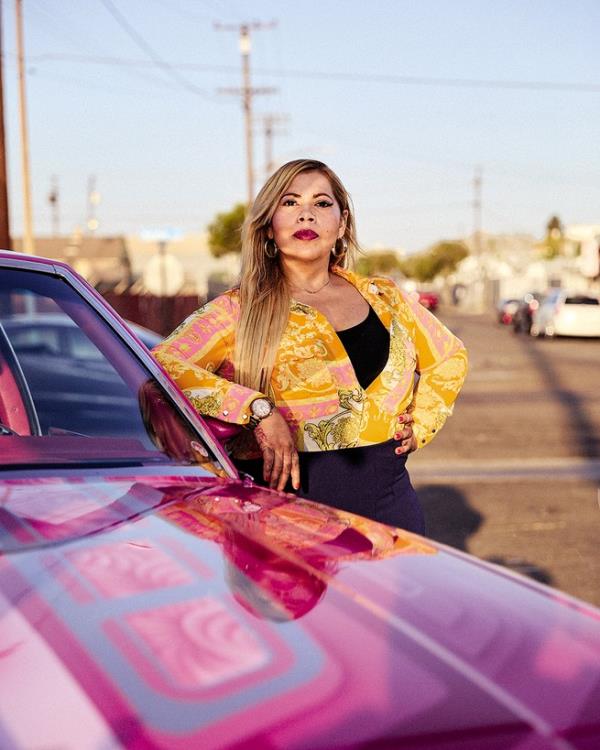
(297, 195)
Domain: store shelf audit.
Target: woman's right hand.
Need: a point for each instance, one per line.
(280, 457)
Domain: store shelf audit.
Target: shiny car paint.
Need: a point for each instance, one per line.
(121, 601)
(163, 606)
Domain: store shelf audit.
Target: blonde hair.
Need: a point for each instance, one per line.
(264, 294)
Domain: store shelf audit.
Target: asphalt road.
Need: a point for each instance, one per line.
(514, 476)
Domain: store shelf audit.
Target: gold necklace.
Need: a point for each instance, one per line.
(311, 291)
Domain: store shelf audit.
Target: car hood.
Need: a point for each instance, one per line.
(174, 611)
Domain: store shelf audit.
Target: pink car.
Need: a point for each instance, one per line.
(152, 599)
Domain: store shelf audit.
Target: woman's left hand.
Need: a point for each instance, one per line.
(404, 434)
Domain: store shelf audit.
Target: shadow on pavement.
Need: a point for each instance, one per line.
(450, 519)
(524, 568)
(448, 516)
(588, 440)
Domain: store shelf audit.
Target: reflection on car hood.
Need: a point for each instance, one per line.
(187, 612)
(44, 511)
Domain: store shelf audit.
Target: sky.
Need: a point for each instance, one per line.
(404, 100)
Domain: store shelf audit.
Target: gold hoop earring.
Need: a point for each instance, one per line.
(339, 253)
(271, 249)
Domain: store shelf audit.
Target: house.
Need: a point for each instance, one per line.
(189, 253)
(103, 261)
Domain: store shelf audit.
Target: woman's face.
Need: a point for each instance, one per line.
(308, 219)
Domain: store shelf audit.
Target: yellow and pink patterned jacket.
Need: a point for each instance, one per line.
(313, 383)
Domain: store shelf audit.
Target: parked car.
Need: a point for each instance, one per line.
(505, 310)
(153, 599)
(564, 313)
(429, 299)
(523, 315)
(58, 334)
(53, 343)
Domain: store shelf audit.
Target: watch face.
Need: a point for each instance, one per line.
(261, 408)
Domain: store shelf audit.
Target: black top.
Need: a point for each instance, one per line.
(368, 346)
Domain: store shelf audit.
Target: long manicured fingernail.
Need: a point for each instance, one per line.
(398, 451)
(398, 436)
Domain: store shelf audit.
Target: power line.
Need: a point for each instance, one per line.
(382, 78)
(189, 15)
(168, 68)
(57, 26)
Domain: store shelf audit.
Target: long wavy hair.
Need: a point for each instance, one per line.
(264, 294)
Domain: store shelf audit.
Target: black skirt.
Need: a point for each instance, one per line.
(371, 481)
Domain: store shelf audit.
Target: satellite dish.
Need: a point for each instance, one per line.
(163, 276)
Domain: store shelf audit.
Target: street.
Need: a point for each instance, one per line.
(514, 476)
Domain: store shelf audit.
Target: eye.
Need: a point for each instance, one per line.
(288, 202)
(324, 204)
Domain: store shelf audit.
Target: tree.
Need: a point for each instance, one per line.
(382, 262)
(441, 259)
(553, 244)
(225, 231)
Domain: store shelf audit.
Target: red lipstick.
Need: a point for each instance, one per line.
(305, 234)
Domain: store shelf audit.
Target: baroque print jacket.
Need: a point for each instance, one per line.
(313, 383)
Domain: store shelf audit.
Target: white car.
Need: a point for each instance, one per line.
(566, 314)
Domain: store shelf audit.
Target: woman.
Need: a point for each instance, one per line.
(336, 377)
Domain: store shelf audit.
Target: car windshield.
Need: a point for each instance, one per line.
(73, 393)
(582, 299)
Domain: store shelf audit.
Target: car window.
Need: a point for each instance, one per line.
(36, 339)
(92, 401)
(79, 346)
(581, 299)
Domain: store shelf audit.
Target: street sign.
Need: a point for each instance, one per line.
(163, 276)
(161, 234)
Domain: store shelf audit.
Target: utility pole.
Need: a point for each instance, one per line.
(4, 213)
(269, 122)
(93, 200)
(28, 243)
(53, 200)
(477, 211)
(247, 92)
(477, 185)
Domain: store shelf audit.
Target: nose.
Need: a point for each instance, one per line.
(306, 214)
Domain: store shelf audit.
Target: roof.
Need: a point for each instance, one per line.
(98, 259)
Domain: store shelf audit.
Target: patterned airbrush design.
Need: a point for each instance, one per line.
(313, 383)
(148, 619)
(236, 616)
